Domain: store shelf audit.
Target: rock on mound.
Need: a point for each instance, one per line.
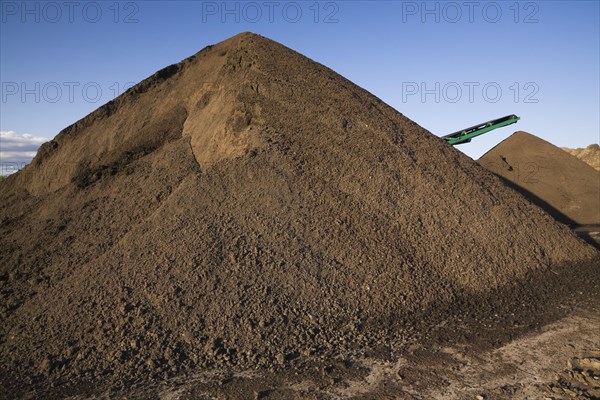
(590, 155)
(246, 207)
(564, 186)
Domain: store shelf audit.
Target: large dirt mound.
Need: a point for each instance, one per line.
(248, 207)
(590, 155)
(563, 185)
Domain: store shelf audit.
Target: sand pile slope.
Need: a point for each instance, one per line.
(590, 155)
(560, 183)
(247, 207)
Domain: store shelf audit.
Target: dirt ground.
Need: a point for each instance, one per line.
(559, 361)
(546, 350)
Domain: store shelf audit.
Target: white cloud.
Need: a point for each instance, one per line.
(17, 150)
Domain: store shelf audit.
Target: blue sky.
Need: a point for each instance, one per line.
(446, 65)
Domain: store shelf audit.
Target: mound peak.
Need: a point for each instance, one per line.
(560, 183)
(246, 203)
(207, 97)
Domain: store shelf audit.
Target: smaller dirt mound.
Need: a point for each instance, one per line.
(563, 185)
(590, 155)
